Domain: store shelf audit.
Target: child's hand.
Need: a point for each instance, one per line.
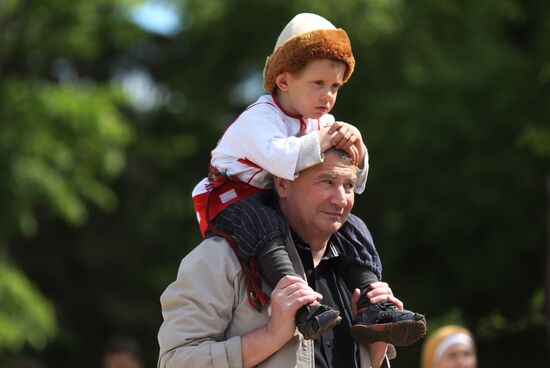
(334, 127)
(347, 138)
(340, 138)
(353, 153)
(327, 136)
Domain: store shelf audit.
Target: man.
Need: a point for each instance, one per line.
(208, 321)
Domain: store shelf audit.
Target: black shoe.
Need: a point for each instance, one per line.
(384, 322)
(313, 321)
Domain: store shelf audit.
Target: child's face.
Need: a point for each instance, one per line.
(311, 92)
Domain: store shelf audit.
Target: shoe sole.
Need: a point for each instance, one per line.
(401, 333)
(323, 329)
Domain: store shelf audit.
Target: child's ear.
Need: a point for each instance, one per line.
(282, 81)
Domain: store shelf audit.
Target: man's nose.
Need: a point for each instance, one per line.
(339, 197)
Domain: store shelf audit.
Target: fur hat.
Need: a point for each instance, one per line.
(306, 37)
(442, 339)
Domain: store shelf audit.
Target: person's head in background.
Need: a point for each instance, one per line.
(122, 352)
(449, 347)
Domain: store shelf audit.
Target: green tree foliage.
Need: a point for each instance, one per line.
(452, 98)
(25, 316)
(61, 144)
(62, 138)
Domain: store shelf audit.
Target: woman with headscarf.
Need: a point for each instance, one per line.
(449, 347)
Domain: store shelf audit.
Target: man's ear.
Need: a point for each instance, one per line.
(281, 186)
(282, 81)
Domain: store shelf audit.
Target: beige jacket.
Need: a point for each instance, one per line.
(206, 310)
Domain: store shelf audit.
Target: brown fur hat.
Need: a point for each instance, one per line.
(306, 37)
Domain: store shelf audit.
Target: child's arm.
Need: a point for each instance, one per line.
(261, 138)
(326, 136)
(264, 140)
(312, 146)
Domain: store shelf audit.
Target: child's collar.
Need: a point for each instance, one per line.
(294, 116)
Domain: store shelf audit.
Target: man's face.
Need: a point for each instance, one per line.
(318, 202)
(313, 90)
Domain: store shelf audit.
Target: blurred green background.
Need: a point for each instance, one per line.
(109, 109)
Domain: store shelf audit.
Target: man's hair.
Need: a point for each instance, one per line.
(343, 156)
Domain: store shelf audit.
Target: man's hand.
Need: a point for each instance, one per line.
(381, 291)
(289, 295)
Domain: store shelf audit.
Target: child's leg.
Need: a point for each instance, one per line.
(360, 260)
(361, 267)
(359, 277)
(274, 262)
(312, 320)
(260, 231)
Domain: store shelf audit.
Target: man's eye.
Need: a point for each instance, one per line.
(319, 83)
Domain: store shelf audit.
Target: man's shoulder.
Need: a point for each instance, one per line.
(213, 253)
(214, 246)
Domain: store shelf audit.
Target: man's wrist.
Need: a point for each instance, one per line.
(377, 352)
(278, 338)
(261, 343)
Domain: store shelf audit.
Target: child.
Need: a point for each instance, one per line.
(282, 134)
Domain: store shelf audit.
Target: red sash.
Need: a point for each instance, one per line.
(229, 192)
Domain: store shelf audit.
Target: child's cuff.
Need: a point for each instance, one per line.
(310, 152)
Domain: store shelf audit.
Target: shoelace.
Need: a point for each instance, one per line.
(387, 306)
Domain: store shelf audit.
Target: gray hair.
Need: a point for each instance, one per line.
(343, 156)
